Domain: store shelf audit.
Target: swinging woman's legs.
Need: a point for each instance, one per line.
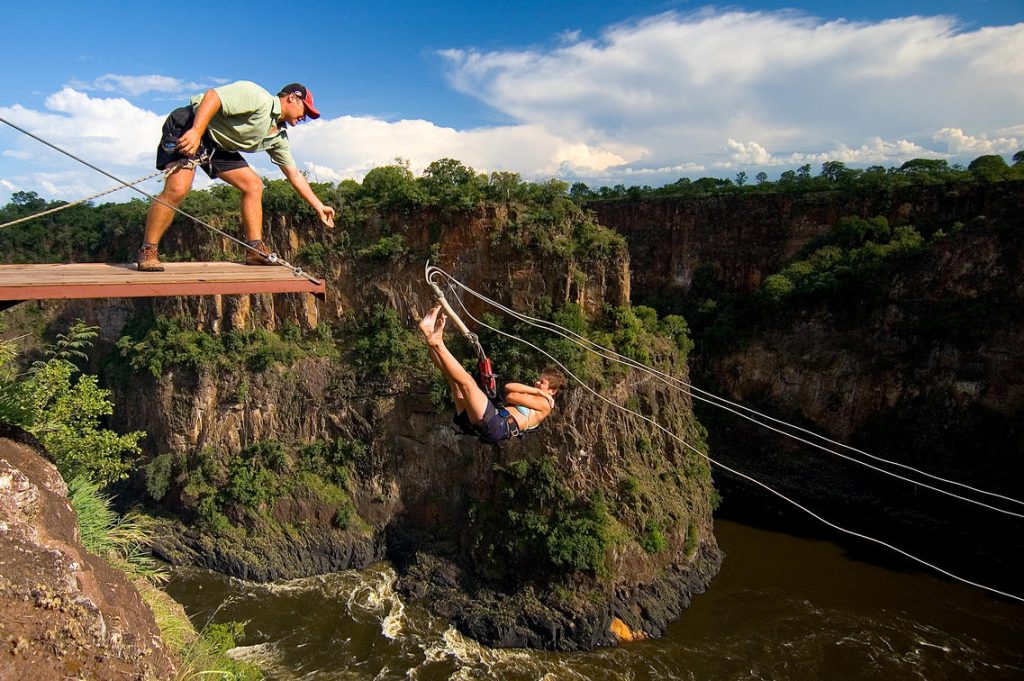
(466, 392)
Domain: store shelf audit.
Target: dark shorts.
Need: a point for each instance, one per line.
(175, 126)
(493, 428)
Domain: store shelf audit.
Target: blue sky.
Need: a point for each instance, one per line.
(600, 92)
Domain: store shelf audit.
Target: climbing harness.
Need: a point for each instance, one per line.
(613, 356)
(272, 258)
(486, 378)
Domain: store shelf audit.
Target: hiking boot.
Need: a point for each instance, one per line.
(257, 256)
(149, 259)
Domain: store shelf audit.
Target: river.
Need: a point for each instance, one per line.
(783, 607)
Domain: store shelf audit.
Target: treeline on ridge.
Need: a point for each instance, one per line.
(108, 231)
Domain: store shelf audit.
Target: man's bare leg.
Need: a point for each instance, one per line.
(251, 185)
(159, 217)
(432, 328)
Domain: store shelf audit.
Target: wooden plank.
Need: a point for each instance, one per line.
(106, 280)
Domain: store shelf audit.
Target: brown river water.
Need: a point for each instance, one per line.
(783, 607)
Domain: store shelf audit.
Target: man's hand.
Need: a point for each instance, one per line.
(327, 216)
(188, 143)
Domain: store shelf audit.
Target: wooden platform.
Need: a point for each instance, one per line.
(102, 280)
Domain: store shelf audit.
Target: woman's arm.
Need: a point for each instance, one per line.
(536, 400)
(522, 388)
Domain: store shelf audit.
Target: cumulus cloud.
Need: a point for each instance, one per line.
(111, 133)
(874, 151)
(958, 143)
(350, 146)
(686, 88)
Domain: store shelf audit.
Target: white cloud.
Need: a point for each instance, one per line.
(110, 133)
(686, 88)
(959, 143)
(350, 146)
(136, 85)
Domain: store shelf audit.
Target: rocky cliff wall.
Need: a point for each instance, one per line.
(66, 613)
(739, 239)
(414, 485)
(926, 372)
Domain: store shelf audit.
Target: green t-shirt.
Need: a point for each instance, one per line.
(247, 114)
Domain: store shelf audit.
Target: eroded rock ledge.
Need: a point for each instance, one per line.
(66, 613)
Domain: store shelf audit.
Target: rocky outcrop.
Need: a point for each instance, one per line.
(66, 613)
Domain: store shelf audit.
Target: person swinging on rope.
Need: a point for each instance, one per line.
(475, 413)
(239, 116)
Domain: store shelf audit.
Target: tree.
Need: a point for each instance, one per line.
(921, 166)
(1018, 158)
(505, 186)
(65, 413)
(741, 178)
(836, 171)
(393, 185)
(989, 168)
(453, 185)
(761, 177)
(579, 191)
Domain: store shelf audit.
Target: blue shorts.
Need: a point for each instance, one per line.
(493, 428)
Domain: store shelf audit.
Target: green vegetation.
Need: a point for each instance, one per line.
(853, 255)
(534, 524)
(63, 408)
(635, 332)
(157, 343)
(121, 540)
(240, 490)
(653, 538)
(845, 268)
(833, 175)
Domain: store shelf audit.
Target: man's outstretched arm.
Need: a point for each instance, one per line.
(301, 185)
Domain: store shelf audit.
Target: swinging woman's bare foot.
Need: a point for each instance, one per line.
(432, 326)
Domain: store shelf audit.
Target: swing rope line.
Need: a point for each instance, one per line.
(273, 258)
(728, 406)
(65, 206)
(706, 456)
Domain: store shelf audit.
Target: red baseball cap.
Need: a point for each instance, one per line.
(303, 93)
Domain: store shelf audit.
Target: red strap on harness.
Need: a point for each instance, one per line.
(486, 379)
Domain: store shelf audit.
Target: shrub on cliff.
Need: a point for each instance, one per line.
(534, 525)
(64, 408)
(158, 343)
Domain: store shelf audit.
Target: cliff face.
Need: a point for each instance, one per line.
(741, 239)
(422, 496)
(66, 613)
(926, 370)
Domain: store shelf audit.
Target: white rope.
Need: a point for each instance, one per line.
(273, 258)
(80, 201)
(719, 464)
(684, 387)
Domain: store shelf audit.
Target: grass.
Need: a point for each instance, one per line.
(122, 542)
